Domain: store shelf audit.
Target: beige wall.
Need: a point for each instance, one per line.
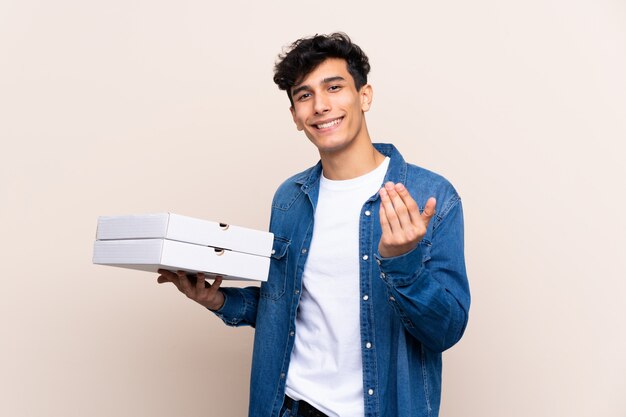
(130, 107)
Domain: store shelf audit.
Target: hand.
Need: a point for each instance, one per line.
(200, 291)
(403, 227)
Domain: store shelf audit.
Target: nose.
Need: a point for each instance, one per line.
(322, 104)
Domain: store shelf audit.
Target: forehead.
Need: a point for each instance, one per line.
(331, 67)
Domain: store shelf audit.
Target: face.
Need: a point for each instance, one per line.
(329, 109)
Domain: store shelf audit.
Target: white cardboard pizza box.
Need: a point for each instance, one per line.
(170, 241)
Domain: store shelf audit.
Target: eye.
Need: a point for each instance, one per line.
(334, 88)
(303, 96)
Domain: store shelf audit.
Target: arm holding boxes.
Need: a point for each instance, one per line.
(203, 293)
(234, 306)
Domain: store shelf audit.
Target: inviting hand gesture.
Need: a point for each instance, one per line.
(403, 227)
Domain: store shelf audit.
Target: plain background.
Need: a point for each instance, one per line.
(123, 107)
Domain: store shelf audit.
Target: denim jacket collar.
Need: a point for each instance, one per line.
(309, 180)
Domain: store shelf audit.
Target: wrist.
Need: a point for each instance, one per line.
(217, 303)
(391, 252)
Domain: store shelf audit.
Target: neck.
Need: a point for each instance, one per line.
(352, 162)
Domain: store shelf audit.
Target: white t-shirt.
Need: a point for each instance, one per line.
(326, 367)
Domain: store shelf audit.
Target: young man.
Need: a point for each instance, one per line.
(365, 291)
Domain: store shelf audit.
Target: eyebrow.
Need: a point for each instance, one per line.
(306, 87)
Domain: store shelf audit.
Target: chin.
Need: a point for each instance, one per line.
(330, 145)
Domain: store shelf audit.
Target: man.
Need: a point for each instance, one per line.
(365, 291)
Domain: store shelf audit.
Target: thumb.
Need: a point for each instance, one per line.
(429, 210)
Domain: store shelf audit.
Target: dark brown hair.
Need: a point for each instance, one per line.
(304, 55)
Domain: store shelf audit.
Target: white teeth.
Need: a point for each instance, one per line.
(329, 124)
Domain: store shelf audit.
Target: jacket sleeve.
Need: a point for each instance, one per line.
(240, 306)
(428, 286)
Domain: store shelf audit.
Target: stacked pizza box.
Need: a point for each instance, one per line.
(170, 241)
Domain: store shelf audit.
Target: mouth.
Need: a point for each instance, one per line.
(328, 124)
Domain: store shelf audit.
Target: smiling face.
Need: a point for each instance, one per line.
(329, 109)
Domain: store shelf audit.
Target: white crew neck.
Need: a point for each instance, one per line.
(354, 182)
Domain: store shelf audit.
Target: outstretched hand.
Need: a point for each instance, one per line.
(201, 291)
(403, 226)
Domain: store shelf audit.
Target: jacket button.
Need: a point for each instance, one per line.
(365, 257)
(392, 298)
(304, 250)
(291, 333)
(368, 345)
(366, 297)
(370, 391)
(367, 212)
(282, 375)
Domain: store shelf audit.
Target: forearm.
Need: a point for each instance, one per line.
(428, 286)
(428, 310)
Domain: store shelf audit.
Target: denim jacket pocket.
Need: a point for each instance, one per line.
(274, 288)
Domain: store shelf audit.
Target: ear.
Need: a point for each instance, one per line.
(295, 119)
(367, 94)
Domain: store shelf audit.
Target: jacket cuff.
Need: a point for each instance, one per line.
(402, 269)
(233, 308)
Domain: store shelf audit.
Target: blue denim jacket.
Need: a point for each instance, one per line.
(412, 308)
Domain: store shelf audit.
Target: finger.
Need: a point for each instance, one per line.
(429, 210)
(216, 298)
(173, 280)
(390, 212)
(398, 204)
(384, 222)
(200, 281)
(165, 276)
(161, 279)
(216, 284)
(183, 282)
(166, 273)
(410, 204)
